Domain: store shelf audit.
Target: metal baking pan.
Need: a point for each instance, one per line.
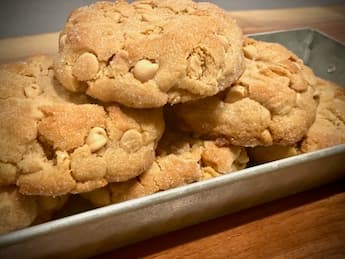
(325, 55)
(99, 230)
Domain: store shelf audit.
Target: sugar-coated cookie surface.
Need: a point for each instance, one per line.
(329, 126)
(327, 130)
(180, 160)
(150, 52)
(54, 142)
(273, 102)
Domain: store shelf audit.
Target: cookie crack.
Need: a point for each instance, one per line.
(156, 183)
(338, 117)
(107, 63)
(199, 61)
(47, 147)
(120, 19)
(156, 30)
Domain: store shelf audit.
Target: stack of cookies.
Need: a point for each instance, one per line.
(148, 96)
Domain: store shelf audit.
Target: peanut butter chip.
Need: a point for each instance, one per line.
(250, 51)
(96, 139)
(86, 67)
(145, 70)
(32, 91)
(266, 137)
(62, 159)
(236, 93)
(131, 140)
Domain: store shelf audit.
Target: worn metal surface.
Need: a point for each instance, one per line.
(106, 228)
(326, 56)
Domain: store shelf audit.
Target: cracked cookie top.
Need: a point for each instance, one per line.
(54, 142)
(180, 160)
(148, 53)
(273, 102)
(329, 126)
(327, 130)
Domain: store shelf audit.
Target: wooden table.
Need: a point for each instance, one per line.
(307, 225)
(310, 224)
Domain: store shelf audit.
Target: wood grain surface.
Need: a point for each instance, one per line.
(307, 225)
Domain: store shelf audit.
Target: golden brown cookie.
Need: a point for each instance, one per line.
(329, 126)
(327, 130)
(53, 142)
(181, 160)
(273, 102)
(19, 211)
(150, 52)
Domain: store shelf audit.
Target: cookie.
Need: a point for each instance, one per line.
(329, 127)
(180, 160)
(54, 142)
(327, 130)
(19, 211)
(273, 102)
(146, 54)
